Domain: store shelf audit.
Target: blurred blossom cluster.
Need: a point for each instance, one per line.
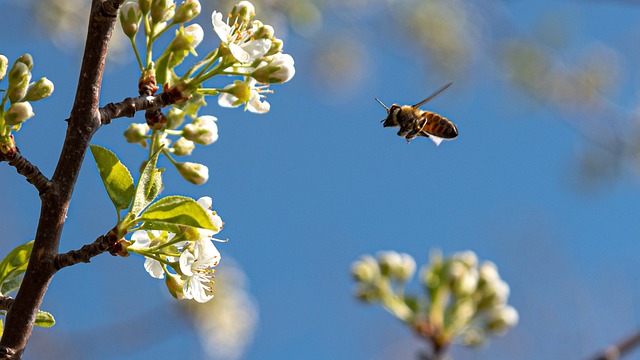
(465, 301)
(20, 92)
(225, 326)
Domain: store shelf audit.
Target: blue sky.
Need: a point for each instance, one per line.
(309, 187)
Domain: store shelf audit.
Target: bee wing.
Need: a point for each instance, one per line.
(431, 96)
(436, 139)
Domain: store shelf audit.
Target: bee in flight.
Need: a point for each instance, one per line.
(415, 122)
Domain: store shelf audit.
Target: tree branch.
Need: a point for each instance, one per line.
(28, 170)
(102, 244)
(6, 302)
(129, 106)
(83, 123)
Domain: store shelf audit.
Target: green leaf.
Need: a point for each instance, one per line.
(115, 176)
(44, 319)
(15, 263)
(162, 70)
(11, 285)
(149, 186)
(178, 210)
(159, 225)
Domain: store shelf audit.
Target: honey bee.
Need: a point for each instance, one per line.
(416, 122)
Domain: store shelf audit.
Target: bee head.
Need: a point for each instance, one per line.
(390, 120)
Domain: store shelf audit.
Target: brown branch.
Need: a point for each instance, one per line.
(6, 302)
(28, 170)
(101, 245)
(616, 351)
(129, 106)
(83, 123)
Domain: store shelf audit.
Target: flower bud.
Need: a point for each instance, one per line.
(145, 6)
(162, 10)
(183, 147)
(406, 269)
(279, 69)
(130, 16)
(501, 319)
(194, 173)
(4, 64)
(203, 130)
(18, 113)
(40, 90)
(136, 133)
(19, 77)
(264, 31)
(367, 293)
(175, 118)
(366, 269)
(242, 12)
(26, 59)
(187, 39)
(389, 261)
(187, 11)
(175, 285)
(276, 47)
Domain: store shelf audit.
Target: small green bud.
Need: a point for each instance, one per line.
(175, 118)
(18, 113)
(183, 147)
(175, 285)
(27, 60)
(136, 133)
(264, 31)
(242, 12)
(130, 16)
(42, 88)
(145, 6)
(203, 130)
(187, 39)
(276, 47)
(4, 64)
(193, 172)
(162, 10)
(19, 77)
(187, 11)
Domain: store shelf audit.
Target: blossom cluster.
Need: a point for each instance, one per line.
(19, 94)
(190, 254)
(248, 52)
(466, 300)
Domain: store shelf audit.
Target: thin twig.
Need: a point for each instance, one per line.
(616, 351)
(28, 170)
(6, 302)
(101, 245)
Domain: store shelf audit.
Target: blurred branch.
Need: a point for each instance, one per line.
(616, 351)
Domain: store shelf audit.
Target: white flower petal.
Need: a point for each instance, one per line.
(256, 48)
(256, 106)
(220, 27)
(227, 100)
(186, 261)
(239, 53)
(154, 268)
(206, 202)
